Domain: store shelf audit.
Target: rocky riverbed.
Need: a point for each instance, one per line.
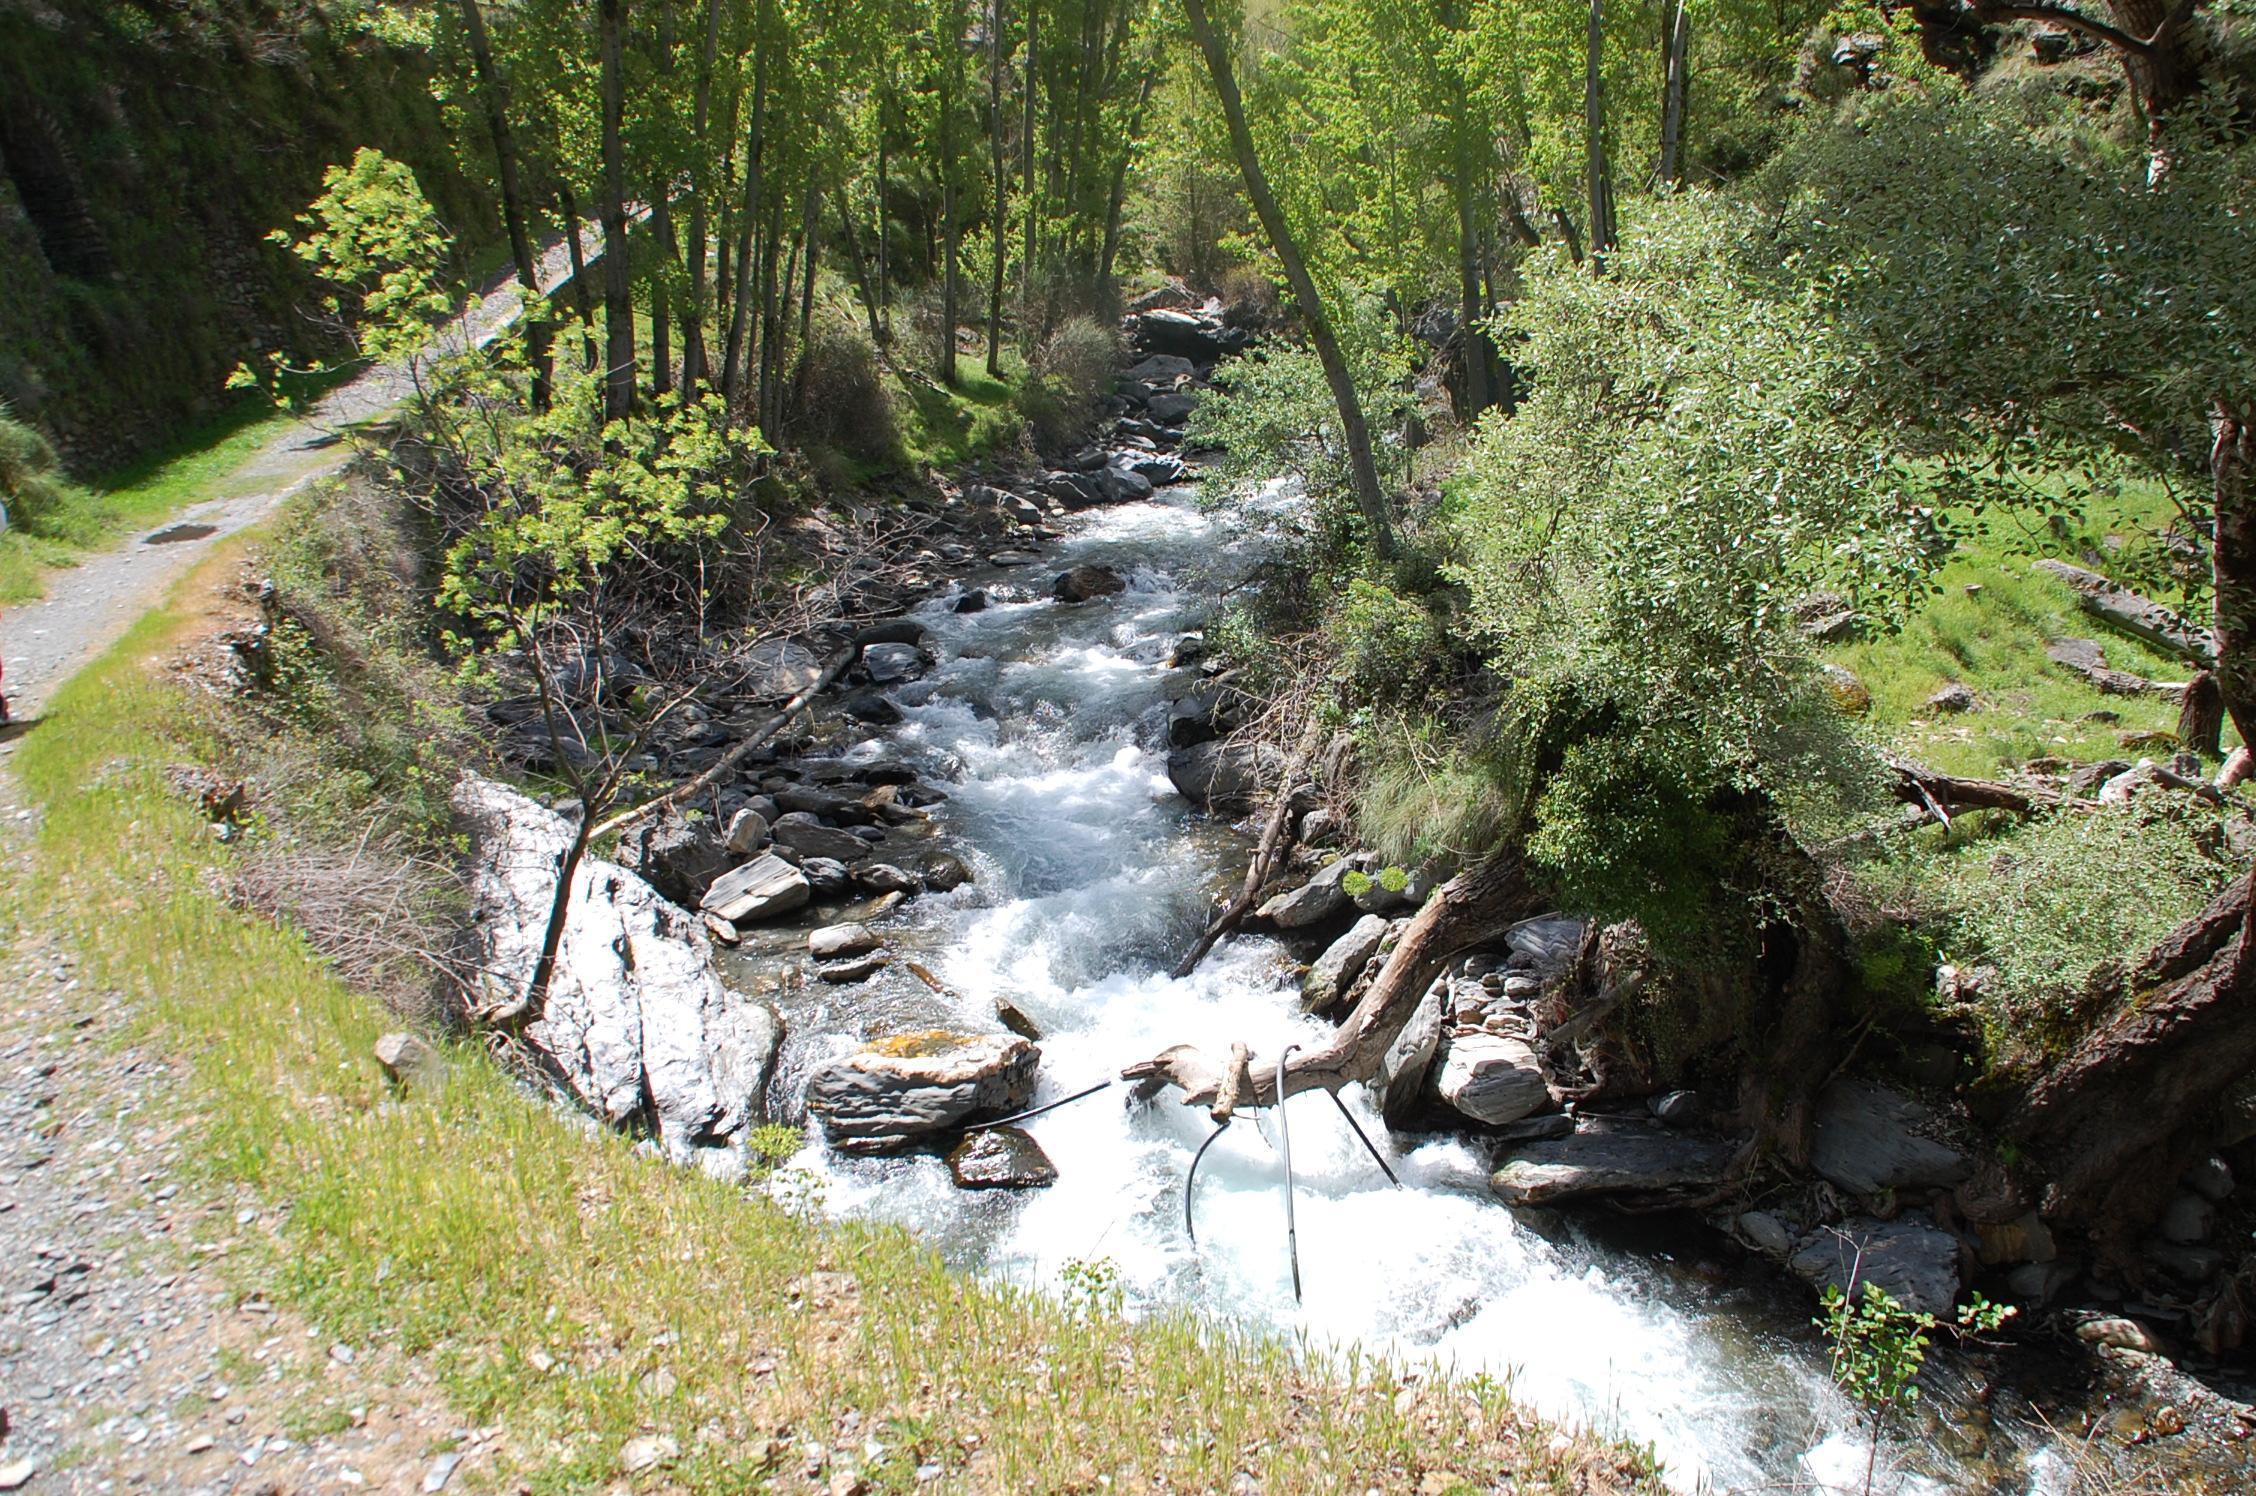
(955, 891)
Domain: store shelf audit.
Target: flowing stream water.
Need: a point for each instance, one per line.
(1046, 725)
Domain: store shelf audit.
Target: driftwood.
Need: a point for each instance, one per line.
(1276, 840)
(690, 789)
(2140, 617)
(1463, 912)
(1942, 794)
(2085, 658)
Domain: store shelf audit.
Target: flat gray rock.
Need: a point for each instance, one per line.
(802, 833)
(1342, 962)
(1629, 1167)
(1907, 1256)
(1321, 898)
(778, 669)
(834, 941)
(764, 888)
(897, 1093)
(1866, 1139)
(1491, 1078)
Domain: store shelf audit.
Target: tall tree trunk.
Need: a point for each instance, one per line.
(1594, 143)
(1116, 200)
(810, 231)
(1472, 339)
(884, 225)
(853, 243)
(495, 90)
(951, 65)
(618, 285)
(1369, 497)
(694, 370)
(1673, 91)
(771, 266)
(1001, 235)
(732, 356)
(583, 294)
(1029, 204)
(662, 233)
(2232, 471)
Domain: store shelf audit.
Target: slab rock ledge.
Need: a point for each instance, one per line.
(903, 1092)
(637, 1024)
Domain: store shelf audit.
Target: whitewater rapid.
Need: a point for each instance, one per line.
(1046, 725)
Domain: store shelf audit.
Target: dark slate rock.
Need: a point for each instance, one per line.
(1001, 1158)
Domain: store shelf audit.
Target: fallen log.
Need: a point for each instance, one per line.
(2084, 657)
(1942, 794)
(1462, 913)
(2140, 617)
(1275, 841)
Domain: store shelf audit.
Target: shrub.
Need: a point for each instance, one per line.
(842, 400)
(1071, 370)
(31, 478)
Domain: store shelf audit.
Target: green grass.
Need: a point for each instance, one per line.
(1987, 627)
(485, 1236)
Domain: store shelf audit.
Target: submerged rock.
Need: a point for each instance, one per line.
(1629, 1166)
(853, 969)
(1001, 1158)
(637, 1022)
(1866, 1140)
(833, 941)
(1085, 582)
(896, 1093)
(1907, 1256)
(764, 888)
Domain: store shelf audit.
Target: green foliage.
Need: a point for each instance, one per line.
(32, 485)
(1093, 1287)
(1429, 792)
(570, 500)
(375, 242)
(1637, 534)
(1878, 1346)
(1385, 645)
(1628, 832)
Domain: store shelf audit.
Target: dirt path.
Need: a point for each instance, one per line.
(89, 606)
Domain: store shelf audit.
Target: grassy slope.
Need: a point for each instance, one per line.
(546, 1273)
(1993, 640)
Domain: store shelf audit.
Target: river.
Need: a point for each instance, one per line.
(1046, 725)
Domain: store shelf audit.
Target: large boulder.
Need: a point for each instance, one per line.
(1321, 898)
(898, 1093)
(1866, 1139)
(888, 663)
(1402, 1072)
(1625, 1165)
(1220, 777)
(678, 855)
(1083, 583)
(1547, 947)
(1162, 369)
(765, 888)
(1491, 1078)
(1908, 1256)
(1001, 1158)
(1173, 409)
(778, 669)
(1123, 485)
(1342, 962)
(803, 834)
(637, 1023)
(1168, 331)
